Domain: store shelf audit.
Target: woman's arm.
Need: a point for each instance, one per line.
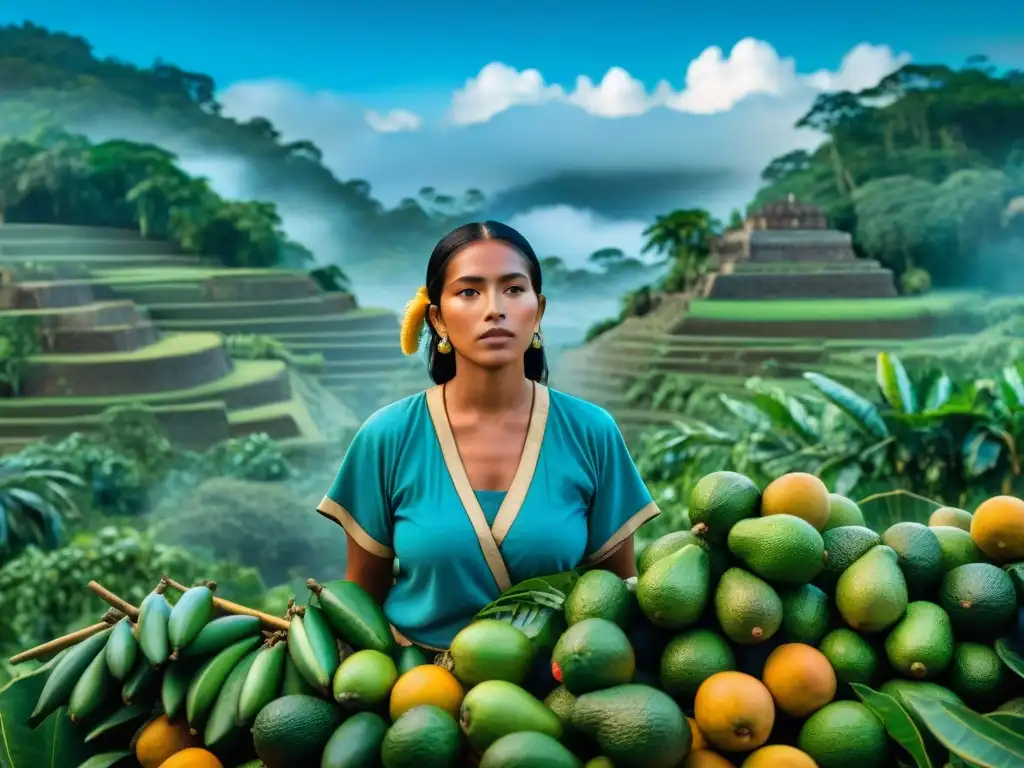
(622, 560)
(372, 573)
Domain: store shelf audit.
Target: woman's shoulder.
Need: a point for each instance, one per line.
(581, 413)
(394, 418)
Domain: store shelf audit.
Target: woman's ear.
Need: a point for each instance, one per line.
(434, 315)
(542, 303)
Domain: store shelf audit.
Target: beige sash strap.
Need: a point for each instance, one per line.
(405, 642)
(489, 538)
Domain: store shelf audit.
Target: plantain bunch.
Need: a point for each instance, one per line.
(215, 672)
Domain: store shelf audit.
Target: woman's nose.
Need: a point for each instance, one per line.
(495, 305)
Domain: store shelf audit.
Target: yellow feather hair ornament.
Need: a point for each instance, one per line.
(412, 321)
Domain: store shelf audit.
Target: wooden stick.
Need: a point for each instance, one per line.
(110, 598)
(58, 644)
(268, 621)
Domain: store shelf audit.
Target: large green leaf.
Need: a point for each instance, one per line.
(981, 451)
(884, 509)
(895, 384)
(1010, 657)
(55, 743)
(1012, 387)
(968, 735)
(861, 411)
(107, 759)
(938, 392)
(897, 722)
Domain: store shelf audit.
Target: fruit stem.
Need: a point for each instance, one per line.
(314, 587)
(268, 621)
(58, 644)
(110, 598)
(700, 529)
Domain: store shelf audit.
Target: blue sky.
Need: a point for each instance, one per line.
(382, 89)
(412, 47)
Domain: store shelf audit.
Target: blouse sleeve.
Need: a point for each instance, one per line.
(360, 497)
(621, 502)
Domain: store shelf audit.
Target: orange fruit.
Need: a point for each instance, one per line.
(998, 528)
(779, 756)
(697, 740)
(799, 494)
(160, 738)
(705, 758)
(426, 684)
(193, 757)
(734, 711)
(800, 678)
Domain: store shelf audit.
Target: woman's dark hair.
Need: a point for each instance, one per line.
(442, 367)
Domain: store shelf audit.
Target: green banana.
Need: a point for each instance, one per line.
(189, 615)
(121, 650)
(117, 718)
(221, 724)
(263, 681)
(174, 686)
(292, 681)
(322, 640)
(408, 657)
(62, 679)
(219, 634)
(91, 690)
(139, 682)
(152, 626)
(313, 648)
(353, 615)
(208, 681)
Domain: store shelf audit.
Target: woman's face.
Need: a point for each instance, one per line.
(489, 309)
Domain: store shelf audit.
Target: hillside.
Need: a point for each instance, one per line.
(54, 78)
(94, 317)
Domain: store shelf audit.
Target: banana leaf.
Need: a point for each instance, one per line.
(895, 384)
(55, 743)
(938, 392)
(1009, 655)
(898, 724)
(861, 411)
(976, 739)
(883, 509)
(107, 759)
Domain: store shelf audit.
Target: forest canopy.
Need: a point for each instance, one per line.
(926, 169)
(54, 80)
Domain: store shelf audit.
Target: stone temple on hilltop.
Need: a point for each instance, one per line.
(786, 250)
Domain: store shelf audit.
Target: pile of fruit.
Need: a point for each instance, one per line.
(775, 630)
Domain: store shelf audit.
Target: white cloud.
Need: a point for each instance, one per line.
(498, 87)
(507, 129)
(394, 121)
(714, 82)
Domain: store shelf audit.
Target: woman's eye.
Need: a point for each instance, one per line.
(517, 289)
(467, 291)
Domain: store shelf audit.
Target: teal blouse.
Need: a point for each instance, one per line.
(402, 490)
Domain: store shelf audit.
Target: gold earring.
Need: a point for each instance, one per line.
(536, 343)
(444, 346)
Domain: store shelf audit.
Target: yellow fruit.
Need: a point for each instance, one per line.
(798, 494)
(734, 711)
(426, 684)
(705, 758)
(998, 528)
(192, 758)
(697, 740)
(800, 678)
(160, 739)
(779, 756)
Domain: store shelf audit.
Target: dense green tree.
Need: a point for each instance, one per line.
(683, 238)
(54, 79)
(920, 167)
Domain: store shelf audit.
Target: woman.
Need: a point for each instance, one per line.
(489, 477)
